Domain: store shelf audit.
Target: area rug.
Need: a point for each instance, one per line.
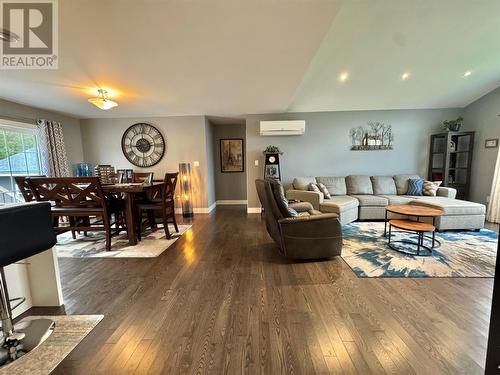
(69, 331)
(94, 245)
(461, 254)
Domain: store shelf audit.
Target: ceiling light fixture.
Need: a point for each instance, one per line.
(467, 73)
(8, 36)
(405, 76)
(343, 77)
(102, 101)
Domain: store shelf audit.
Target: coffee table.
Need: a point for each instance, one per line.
(416, 227)
(415, 212)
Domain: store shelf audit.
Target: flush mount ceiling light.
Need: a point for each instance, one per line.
(467, 73)
(405, 76)
(8, 36)
(102, 101)
(343, 77)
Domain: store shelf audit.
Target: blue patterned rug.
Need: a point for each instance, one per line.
(461, 254)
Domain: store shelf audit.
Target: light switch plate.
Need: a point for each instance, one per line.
(196, 163)
(256, 163)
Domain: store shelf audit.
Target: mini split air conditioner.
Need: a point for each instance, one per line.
(292, 127)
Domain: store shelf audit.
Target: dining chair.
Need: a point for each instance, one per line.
(27, 193)
(24, 187)
(165, 204)
(143, 177)
(77, 198)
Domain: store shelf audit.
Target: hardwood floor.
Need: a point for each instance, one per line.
(223, 301)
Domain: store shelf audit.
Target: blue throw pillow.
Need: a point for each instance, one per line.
(415, 186)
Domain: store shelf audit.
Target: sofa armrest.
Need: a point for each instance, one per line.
(309, 218)
(301, 206)
(446, 192)
(307, 196)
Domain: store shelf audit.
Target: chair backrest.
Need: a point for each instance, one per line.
(170, 183)
(24, 187)
(271, 211)
(69, 192)
(143, 177)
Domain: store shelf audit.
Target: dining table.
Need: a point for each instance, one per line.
(131, 191)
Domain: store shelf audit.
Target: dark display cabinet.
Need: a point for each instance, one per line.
(450, 160)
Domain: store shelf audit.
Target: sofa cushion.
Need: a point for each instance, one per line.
(431, 188)
(415, 187)
(451, 206)
(302, 183)
(371, 200)
(398, 199)
(383, 185)
(357, 184)
(324, 190)
(314, 187)
(401, 181)
(335, 185)
(339, 203)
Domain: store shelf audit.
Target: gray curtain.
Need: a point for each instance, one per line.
(52, 149)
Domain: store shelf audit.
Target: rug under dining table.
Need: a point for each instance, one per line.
(94, 245)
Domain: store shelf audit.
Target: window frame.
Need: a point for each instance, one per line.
(21, 128)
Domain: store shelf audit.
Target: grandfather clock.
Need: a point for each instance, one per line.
(272, 166)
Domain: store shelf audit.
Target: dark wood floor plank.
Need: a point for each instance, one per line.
(222, 300)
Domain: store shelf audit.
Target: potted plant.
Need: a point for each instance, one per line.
(272, 150)
(453, 125)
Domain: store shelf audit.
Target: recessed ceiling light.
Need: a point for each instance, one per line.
(9, 36)
(405, 76)
(343, 77)
(467, 73)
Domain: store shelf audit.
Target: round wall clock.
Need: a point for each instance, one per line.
(143, 145)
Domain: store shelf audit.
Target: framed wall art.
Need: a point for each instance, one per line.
(232, 155)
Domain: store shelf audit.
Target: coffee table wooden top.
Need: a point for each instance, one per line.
(414, 210)
(414, 226)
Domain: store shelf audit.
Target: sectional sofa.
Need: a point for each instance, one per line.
(359, 197)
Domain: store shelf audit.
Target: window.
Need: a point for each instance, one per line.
(18, 157)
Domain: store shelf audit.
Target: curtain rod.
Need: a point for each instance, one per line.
(18, 119)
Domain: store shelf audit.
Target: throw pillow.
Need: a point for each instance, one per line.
(314, 187)
(415, 186)
(431, 187)
(324, 190)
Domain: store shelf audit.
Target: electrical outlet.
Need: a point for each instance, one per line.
(196, 163)
(487, 199)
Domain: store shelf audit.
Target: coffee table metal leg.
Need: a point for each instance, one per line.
(385, 224)
(390, 227)
(433, 238)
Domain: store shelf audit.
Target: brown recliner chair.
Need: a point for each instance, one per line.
(307, 234)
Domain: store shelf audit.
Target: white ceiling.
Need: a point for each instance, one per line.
(233, 57)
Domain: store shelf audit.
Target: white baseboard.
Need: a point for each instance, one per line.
(254, 210)
(231, 201)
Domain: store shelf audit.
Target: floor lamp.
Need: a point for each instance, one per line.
(186, 194)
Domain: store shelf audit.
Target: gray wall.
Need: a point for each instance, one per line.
(228, 186)
(482, 117)
(324, 149)
(184, 135)
(210, 148)
(71, 126)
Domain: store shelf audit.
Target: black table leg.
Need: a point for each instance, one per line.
(385, 224)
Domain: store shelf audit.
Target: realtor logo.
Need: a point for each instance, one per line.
(33, 29)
